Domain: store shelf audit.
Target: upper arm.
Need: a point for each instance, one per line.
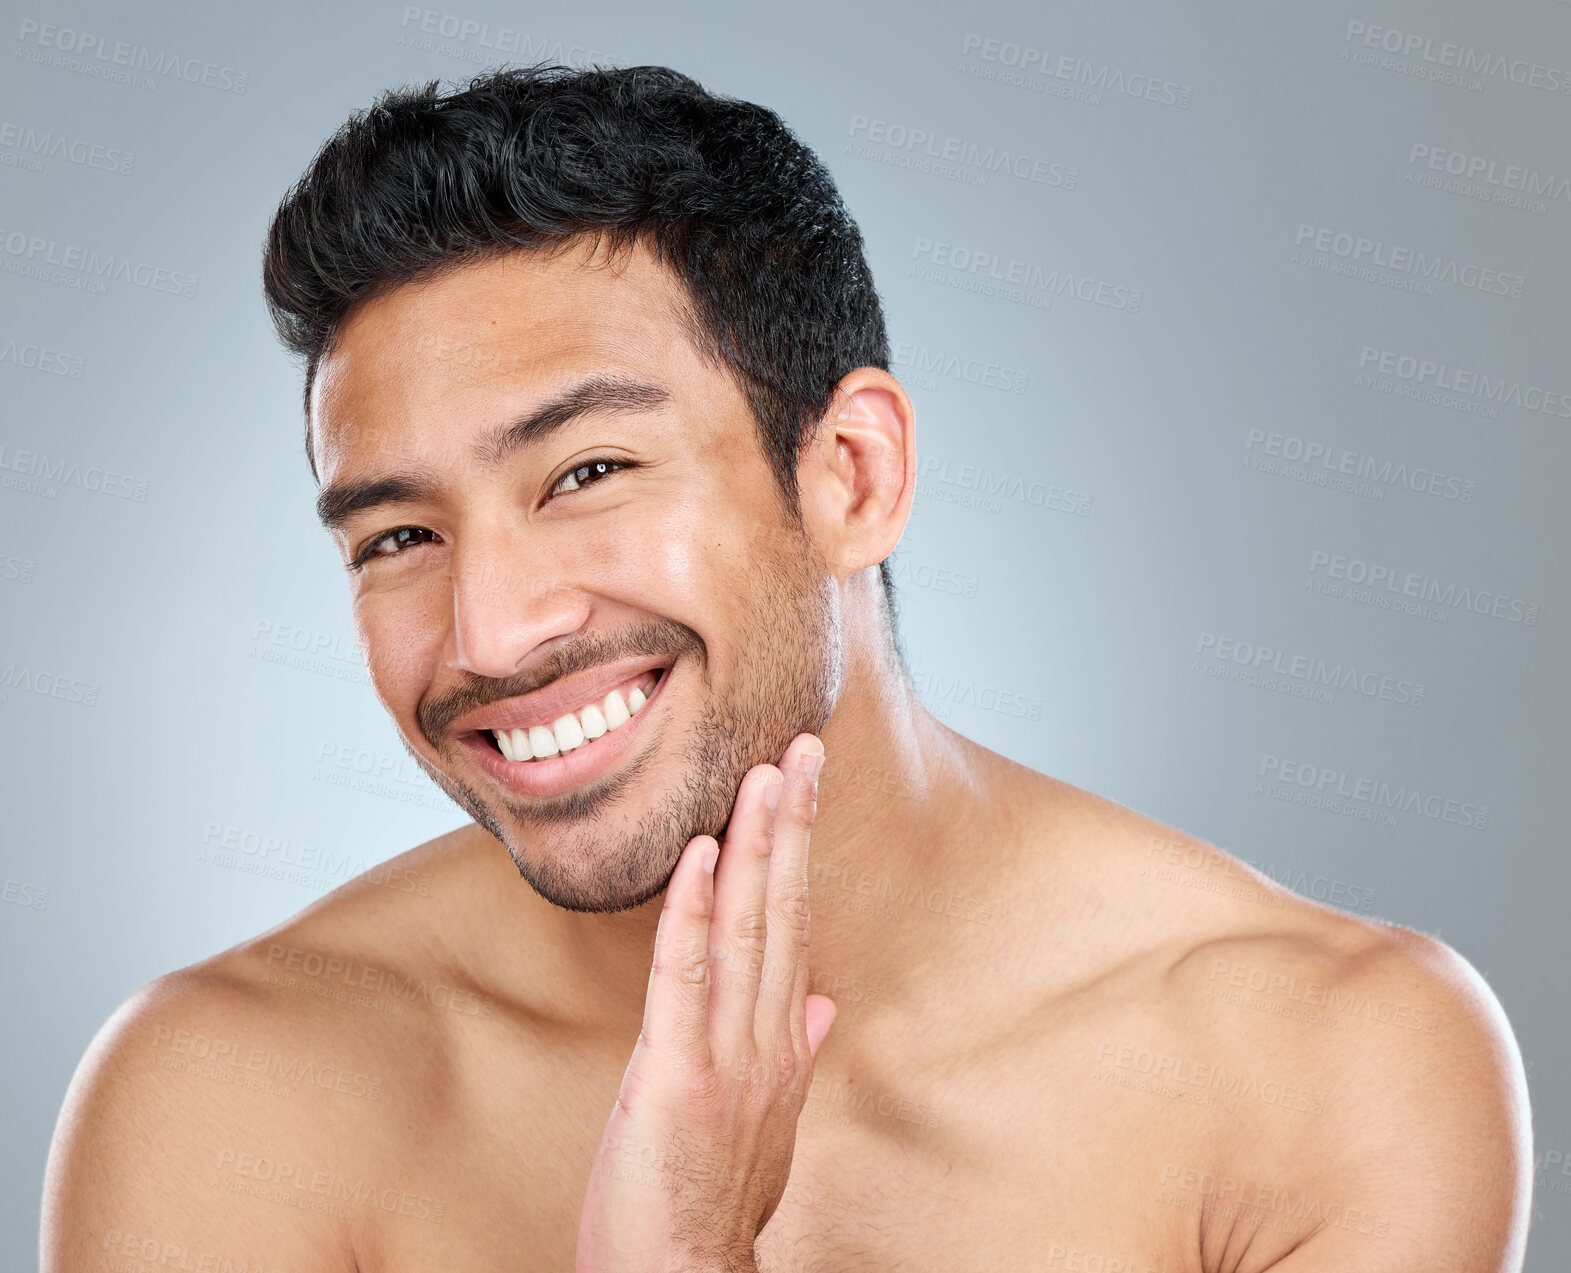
(143, 1162)
(1433, 1151)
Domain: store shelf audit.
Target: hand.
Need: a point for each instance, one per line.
(695, 1156)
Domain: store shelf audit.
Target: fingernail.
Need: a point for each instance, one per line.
(812, 763)
(772, 790)
(710, 854)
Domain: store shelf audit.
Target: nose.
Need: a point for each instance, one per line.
(505, 607)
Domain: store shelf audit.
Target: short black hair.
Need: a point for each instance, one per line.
(725, 195)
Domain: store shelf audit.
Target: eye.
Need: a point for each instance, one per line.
(589, 472)
(400, 537)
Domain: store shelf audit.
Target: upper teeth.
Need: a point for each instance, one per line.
(540, 742)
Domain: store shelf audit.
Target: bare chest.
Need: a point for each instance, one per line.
(982, 1172)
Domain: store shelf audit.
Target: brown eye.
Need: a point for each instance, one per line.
(587, 473)
(400, 537)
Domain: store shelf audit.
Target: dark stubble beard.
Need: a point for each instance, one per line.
(580, 850)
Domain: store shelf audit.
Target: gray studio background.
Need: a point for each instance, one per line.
(1253, 310)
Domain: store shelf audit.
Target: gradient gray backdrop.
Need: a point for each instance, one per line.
(1180, 393)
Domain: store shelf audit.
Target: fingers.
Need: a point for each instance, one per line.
(736, 935)
(676, 1007)
(821, 1011)
(730, 976)
(780, 1020)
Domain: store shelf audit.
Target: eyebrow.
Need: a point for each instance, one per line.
(599, 392)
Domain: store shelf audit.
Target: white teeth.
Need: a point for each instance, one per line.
(593, 721)
(571, 731)
(567, 732)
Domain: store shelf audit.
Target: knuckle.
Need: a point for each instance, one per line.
(786, 1070)
(748, 932)
(701, 1086)
(689, 967)
(800, 808)
(719, 958)
(790, 908)
(799, 801)
(745, 1073)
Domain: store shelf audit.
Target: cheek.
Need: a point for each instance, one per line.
(674, 560)
(400, 634)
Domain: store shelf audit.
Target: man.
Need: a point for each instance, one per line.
(598, 396)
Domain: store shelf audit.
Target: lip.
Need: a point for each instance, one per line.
(559, 698)
(542, 778)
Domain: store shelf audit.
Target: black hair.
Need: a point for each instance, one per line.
(725, 195)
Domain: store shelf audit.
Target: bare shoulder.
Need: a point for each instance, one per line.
(1389, 1090)
(229, 1112)
(1364, 1075)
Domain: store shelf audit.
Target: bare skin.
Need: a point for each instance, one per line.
(1065, 1036)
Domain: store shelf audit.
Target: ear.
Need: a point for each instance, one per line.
(858, 477)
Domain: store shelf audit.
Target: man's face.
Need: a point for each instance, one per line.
(493, 564)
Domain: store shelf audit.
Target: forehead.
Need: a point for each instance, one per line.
(485, 337)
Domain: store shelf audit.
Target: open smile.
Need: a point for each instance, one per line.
(540, 757)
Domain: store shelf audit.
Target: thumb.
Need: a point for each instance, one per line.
(821, 1012)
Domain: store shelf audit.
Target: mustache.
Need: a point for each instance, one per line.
(661, 639)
